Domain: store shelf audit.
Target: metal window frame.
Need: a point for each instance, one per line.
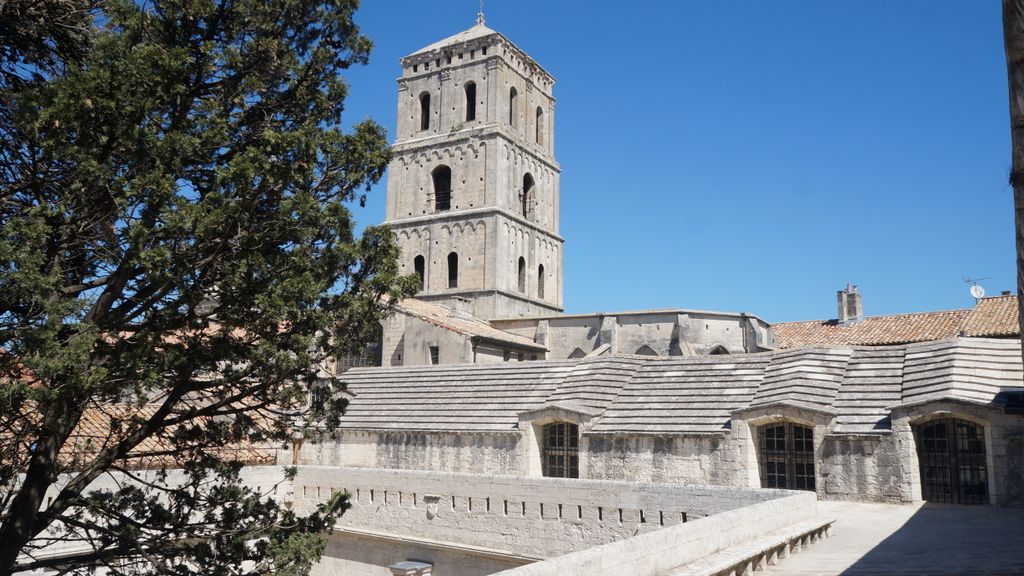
(791, 465)
(560, 449)
(953, 461)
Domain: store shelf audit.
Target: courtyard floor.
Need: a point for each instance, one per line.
(876, 539)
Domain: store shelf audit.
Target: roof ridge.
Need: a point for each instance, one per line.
(924, 313)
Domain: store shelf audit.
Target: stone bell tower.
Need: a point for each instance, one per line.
(473, 187)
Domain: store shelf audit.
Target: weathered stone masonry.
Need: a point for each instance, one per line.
(696, 420)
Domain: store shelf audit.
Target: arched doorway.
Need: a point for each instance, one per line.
(786, 456)
(951, 453)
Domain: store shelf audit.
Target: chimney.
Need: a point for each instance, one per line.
(461, 308)
(851, 310)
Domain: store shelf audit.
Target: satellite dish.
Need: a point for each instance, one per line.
(977, 291)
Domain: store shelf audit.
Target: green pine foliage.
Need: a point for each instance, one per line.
(177, 262)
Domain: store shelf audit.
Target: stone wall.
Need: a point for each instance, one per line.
(862, 467)
(359, 554)
(529, 517)
(657, 458)
(441, 452)
(655, 333)
(658, 553)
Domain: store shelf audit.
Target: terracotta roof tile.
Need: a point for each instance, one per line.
(157, 451)
(993, 317)
(95, 431)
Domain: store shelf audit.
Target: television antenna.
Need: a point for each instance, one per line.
(977, 290)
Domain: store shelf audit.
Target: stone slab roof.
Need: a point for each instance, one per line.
(685, 395)
(991, 317)
(455, 397)
(477, 31)
(440, 315)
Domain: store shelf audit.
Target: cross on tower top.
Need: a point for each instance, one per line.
(480, 15)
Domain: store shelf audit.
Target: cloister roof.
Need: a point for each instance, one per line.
(686, 395)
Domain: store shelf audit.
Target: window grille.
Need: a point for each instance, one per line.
(787, 456)
(561, 450)
(951, 453)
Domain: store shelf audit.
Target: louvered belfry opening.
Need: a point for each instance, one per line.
(786, 456)
(561, 450)
(951, 453)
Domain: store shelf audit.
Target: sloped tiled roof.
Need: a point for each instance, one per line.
(992, 317)
(995, 316)
(685, 395)
(811, 377)
(94, 432)
(105, 424)
(872, 330)
(439, 315)
(477, 31)
(456, 397)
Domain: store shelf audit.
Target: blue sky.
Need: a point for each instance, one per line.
(754, 156)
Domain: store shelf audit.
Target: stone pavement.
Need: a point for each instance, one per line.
(877, 539)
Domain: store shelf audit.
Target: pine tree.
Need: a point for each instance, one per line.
(177, 260)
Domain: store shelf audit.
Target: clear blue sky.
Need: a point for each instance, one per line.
(754, 156)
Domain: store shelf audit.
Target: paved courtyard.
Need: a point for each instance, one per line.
(875, 539)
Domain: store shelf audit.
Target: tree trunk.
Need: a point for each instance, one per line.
(19, 522)
(1013, 39)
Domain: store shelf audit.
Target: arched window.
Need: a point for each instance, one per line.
(646, 350)
(470, 101)
(419, 263)
(522, 274)
(718, 350)
(453, 270)
(425, 111)
(787, 456)
(951, 453)
(561, 450)
(540, 122)
(512, 106)
(442, 176)
(528, 193)
(540, 281)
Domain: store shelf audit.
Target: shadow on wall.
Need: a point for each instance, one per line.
(947, 539)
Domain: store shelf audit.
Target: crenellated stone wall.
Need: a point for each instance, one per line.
(523, 518)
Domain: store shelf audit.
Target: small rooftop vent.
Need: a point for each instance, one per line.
(851, 310)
